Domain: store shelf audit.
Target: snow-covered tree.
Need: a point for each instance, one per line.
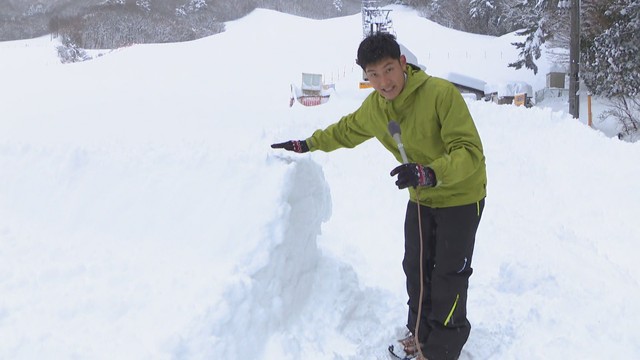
(611, 62)
(69, 52)
(191, 7)
(536, 16)
(593, 19)
(450, 13)
(611, 65)
(37, 8)
(483, 14)
(144, 4)
(482, 9)
(493, 17)
(337, 4)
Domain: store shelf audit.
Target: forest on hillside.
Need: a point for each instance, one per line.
(114, 23)
(609, 40)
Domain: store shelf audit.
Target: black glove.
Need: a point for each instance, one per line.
(413, 174)
(299, 146)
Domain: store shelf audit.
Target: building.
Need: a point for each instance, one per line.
(467, 84)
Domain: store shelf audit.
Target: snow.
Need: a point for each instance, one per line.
(144, 215)
(511, 88)
(465, 80)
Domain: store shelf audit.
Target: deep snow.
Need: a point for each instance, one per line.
(144, 216)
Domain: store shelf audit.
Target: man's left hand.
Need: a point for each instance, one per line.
(413, 174)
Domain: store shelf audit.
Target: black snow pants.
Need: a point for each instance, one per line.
(448, 241)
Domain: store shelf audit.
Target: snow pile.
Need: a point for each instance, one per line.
(143, 214)
(556, 242)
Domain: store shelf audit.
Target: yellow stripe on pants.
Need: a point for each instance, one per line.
(453, 308)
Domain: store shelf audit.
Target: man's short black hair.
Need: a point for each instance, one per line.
(376, 47)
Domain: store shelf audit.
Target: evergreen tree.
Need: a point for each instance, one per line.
(611, 62)
(337, 4)
(537, 18)
(611, 65)
(484, 15)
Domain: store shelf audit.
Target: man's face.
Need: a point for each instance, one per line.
(387, 76)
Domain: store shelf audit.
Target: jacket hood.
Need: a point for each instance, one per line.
(414, 78)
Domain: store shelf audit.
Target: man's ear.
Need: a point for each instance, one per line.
(403, 61)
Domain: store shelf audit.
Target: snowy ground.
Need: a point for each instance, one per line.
(144, 216)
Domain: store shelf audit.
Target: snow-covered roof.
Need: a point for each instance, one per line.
(510, 88)
(411, 57)
(558, 68)
(465, 80)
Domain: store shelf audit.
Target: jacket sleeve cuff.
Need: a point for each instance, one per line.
(311, 144)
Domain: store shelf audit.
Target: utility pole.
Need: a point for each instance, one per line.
(574, 59)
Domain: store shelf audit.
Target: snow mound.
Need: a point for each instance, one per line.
(289, 298)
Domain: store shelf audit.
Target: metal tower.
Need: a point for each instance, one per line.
(375, 19)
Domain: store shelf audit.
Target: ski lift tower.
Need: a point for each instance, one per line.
(375, 19)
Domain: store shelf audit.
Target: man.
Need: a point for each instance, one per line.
(445, 175)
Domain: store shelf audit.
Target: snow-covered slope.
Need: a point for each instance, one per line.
(143, 214)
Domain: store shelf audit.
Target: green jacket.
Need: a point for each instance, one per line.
(437, 131)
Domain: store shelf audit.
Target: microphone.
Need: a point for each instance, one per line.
(394, 130)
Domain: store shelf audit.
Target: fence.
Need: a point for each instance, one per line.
(552, 93)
